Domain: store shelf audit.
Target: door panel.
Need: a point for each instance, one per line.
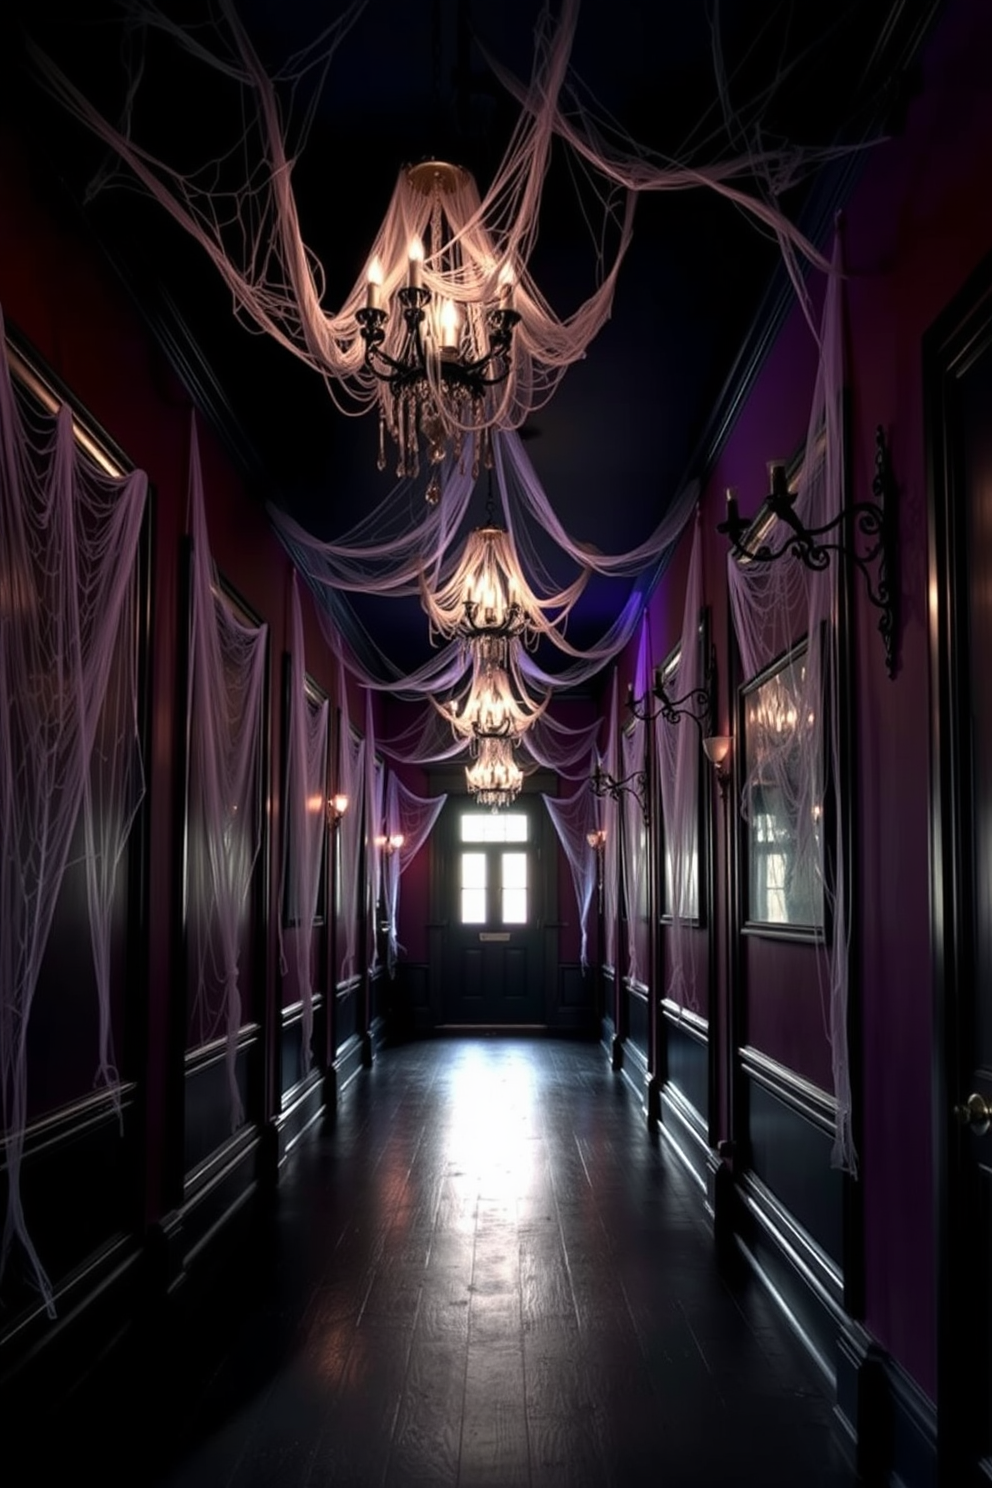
(494, 915)
(959, 382)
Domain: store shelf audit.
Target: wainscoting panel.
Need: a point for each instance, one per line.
(81, 1206)
(575, 995)
(638, 1020)
(346, 1015)
(208, 1095)
(291, 1064)
(790, 1133)
(687, 1057)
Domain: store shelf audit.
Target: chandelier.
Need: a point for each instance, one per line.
(494, 709)
(494, 778)
(487, 602)
(441, 353)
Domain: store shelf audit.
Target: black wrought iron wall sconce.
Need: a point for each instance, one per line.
(696, 704)
(635, 784)
(865, 533)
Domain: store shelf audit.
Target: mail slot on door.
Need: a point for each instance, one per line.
(494, 934)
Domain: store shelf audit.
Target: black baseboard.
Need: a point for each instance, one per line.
(44, 1358)
(889, 1424)
(684, 1129)
(347, 1064)
(301, 1107)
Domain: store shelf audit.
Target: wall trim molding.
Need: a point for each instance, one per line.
(205, 1055)
(686, 1019)
(66, 1122)
(809, 1100)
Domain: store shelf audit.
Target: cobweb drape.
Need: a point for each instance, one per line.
(304, 826)
(608, 819)
(351, 783)
(774, 605)
(678, 752)
(412, 817)
(374, 796)
(574, 817)
(634, 855)
(68, 726)
(227, 677)
(242, 210)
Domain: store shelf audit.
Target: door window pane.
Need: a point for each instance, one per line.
(473, 888)
(514, 888)
(479, 826)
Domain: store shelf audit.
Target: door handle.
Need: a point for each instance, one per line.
(976, 1114)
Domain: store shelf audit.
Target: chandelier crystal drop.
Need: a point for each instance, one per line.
(494, 778)
(438, 339)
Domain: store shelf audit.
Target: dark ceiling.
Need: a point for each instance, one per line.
(410, 81)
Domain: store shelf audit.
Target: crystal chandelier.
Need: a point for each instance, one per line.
(441, 354)
(494, 778)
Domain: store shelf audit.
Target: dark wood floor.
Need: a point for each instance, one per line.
(484, 1270)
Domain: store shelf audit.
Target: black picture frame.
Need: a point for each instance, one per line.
(784, 892)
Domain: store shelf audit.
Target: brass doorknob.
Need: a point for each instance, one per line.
(976, 1113)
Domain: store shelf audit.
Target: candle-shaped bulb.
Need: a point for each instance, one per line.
(373, 285)
(450, 325)
(415, 263)
(506, 283)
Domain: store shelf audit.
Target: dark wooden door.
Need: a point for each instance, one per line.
(959, 382)
(494, 913)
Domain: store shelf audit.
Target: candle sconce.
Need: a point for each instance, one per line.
(597, 841)
(864, 532)
(635, 784)
(336, 808)
(717, 749)
(696, 704)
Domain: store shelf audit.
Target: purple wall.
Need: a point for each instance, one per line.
(919, 221)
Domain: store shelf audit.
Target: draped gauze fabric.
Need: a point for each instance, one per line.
(381, 557)
(226, 702)
(70, 768)
(634, 856)
(374, 797)
(574, 818)
(412, 817)
(608, 819)
(678, 752)
(773, 606)
(304, 826)
(241, 207)
(569, 752)
(350, 829)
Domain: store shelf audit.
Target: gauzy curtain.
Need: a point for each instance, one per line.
(678, 752)
(411, 817)
(634, 856)
(773, 606)
(227, 674)
(68, 726)
(304, 826)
